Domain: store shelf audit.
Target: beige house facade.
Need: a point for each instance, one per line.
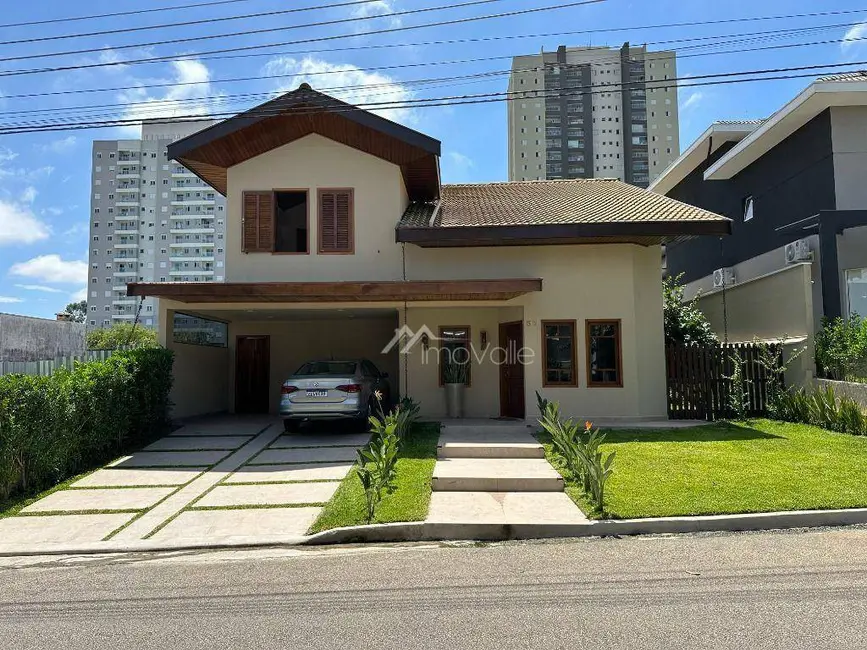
(340, 238)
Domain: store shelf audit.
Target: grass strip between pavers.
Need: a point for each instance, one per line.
(727, 468)
(12, 506)
(313, 480)
(142, 513)
(72, 513)
(409, 501)
(255, 506)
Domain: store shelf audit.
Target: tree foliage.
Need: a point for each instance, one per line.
(685, 323)
(77, 310)
(841, 348)
(121, 335)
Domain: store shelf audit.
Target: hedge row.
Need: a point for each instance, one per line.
(54, 427)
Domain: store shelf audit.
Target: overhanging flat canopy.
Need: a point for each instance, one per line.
(427, 291)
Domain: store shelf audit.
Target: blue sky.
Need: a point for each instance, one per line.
(45, 177)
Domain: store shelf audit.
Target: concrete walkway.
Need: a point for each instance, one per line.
(495, 472)
(219, 480)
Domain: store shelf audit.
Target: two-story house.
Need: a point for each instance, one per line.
(340, 236)
(794, 187)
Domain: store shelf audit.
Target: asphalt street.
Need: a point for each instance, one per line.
(802, 589)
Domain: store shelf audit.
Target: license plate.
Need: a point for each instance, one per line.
(317, 393)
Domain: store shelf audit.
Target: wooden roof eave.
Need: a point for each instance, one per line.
(300, 292)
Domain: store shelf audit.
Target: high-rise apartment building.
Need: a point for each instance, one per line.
(151, 220)
(593, 112)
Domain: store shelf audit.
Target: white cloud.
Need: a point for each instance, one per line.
(854, 36)
(18, 225)
(692, 101)
(26, 175)
(377, 8)
(9, 299)
(344, 81)
(53, 211)
(460, 160)
(52, 269)
(79, 295)
(59, 146)
(28, 195)
(196, 79)
(38, 287)
(6, 155)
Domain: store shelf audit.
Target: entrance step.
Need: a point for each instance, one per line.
(497, 440)
(490, 450)
(503, 508)
(495, 475)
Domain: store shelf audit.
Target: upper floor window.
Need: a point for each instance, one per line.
(336, 228)
(290, 221)
(748, 208)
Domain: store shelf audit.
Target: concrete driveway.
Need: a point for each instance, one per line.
(224, 479)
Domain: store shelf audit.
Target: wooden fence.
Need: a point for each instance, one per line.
(48, 366)
(701, 385)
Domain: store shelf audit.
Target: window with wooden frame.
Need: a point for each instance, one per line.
(257, 222)
(604, 365)
(558, 353)
(275, 222)
(336, 221)
(455, 355)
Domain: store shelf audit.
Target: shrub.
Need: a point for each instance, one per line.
(376, 465)
(684, 322)
(580, 450)
(841, 348)
(822, 408)
(121, 335)
(55, 427)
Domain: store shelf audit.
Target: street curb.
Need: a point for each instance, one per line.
(432, 531)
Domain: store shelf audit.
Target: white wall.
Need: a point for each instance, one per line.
(311, 163)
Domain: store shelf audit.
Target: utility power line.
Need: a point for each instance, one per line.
(223, 53)
(478, 98)
(117, 14)
(157, 103)
(267, 30)
(202, 21)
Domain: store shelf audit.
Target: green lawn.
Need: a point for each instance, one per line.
(758, 466)
(410, 500)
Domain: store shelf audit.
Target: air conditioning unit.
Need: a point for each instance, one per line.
(798, 251)
(724, 277)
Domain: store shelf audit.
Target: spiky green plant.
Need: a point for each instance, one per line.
(580, 450)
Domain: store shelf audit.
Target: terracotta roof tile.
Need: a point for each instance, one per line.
(530, 203)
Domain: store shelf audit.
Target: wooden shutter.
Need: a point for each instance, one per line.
(336, 231)
(258, 222)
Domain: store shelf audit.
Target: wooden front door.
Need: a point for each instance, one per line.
(512, 370)
(252, 374)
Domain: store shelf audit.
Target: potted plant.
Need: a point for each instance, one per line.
(455, 381)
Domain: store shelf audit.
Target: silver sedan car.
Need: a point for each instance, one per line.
(333, 390)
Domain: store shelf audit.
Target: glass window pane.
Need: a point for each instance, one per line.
(559, 342)
(194, 330)
(603, 353)
(856, 290)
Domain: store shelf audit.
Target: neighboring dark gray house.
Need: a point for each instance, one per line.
(795, 186)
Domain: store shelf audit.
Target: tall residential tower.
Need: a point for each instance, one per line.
(151, 220)
(564, 121)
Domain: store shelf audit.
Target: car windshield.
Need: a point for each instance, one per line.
(327, 368)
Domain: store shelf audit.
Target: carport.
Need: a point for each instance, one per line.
(235, 343)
